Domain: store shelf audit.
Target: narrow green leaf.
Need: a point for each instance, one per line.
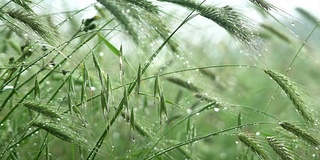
(188, 127)
(69, 102)
(163, 108)
(126, 101)
(138, 79)
(104, 104)
(97, 66)
(132, 119)
(71, 85)
(36, 90)
(239, 119)
(110, 46)
(307, 15)
(85, 77)
(108, 90)
(43, 146)
(114, 50)
(156, 86)
(121, 65)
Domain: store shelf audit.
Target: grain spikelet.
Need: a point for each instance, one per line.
(226, 17)
(251, 143)
(280, 148)
(183, 84)
(146, 5)
(44, 110)
(61, 132)
(115, 8)
(300, 133)
(34, 23)
(204, 97)
(262, 4)
(293, 93)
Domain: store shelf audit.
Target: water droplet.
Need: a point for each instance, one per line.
(92, 88)
(223, 155)
(292, 24)
(216, 109)
(116, 135)
(189, 111)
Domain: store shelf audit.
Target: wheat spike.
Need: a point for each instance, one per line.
(280, 148)
(44, 110)
(32, 21)
(251, 143)
(183, 83)
(262, 4)
(300, 133)
(61, 132)
(293, 93)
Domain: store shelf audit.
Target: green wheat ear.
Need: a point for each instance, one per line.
(42, 109)
(280, 148)
(300, 133)
(61, 131)
(227, 17)
(29, 19)
(293, 93)
(263, 4)
(251, 143)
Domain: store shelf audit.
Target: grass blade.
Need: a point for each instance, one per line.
(104, 104)
(138, 79)
(36, 90)
(163, 108)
